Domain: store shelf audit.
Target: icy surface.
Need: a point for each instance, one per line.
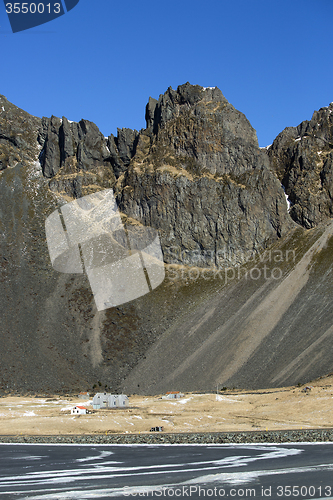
(287, 199)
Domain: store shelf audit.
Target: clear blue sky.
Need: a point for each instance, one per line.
(101, 61)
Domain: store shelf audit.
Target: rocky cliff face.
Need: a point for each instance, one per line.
(197, 175)
(18, 135)
(302, 157)
(75, 156)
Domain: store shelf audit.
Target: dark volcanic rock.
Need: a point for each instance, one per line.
(51, 155)
(203, 130)
(18, 135)
(71, 146)
(302, 156)
(122, 149)
(91, 148)
(78, 153)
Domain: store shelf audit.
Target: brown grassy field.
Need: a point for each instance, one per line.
(271, 409)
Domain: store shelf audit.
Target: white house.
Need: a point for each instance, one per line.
(108, 400)
(122, 401)
(78, 410)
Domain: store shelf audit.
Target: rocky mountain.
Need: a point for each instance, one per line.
(245, 301)
(195, 173)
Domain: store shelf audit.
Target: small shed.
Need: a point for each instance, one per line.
(78, 410)
(84, 395)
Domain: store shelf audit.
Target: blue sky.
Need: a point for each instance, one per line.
(103, 59)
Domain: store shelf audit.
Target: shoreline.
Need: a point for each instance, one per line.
(242, 437)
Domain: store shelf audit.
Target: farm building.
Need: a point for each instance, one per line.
(107, 400)
(84, 395)
(78, 410)
(174, 395)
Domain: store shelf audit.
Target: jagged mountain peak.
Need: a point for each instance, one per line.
(173, 102)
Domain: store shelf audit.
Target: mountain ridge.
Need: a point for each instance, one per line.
(198, 176)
